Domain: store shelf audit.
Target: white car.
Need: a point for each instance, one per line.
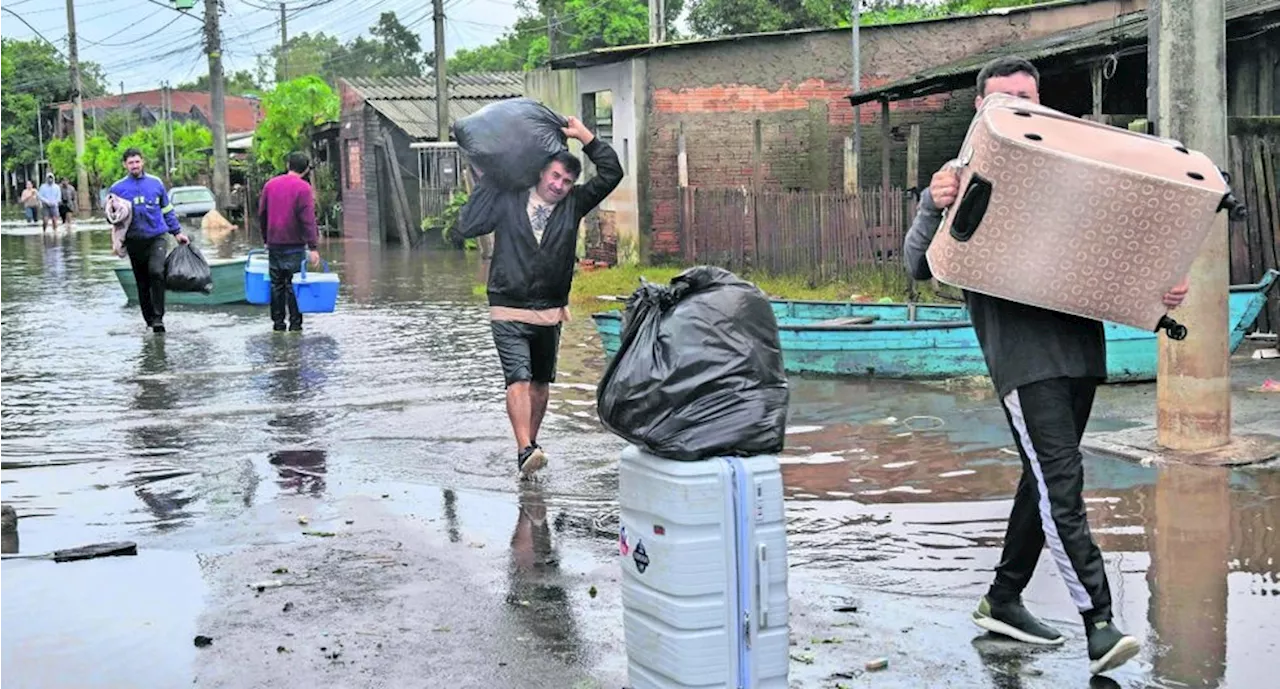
(192, 202)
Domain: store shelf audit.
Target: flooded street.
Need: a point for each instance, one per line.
(364, 472)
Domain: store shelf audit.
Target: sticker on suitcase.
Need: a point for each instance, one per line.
(641, 557)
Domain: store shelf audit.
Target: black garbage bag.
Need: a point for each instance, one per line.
(511, 140)
(185, 270)
(699, 373)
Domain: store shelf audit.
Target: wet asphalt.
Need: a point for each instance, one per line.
(362, 474)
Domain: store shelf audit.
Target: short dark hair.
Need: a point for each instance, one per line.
(571, 164)
(131, 152)
(1003, 67)
(299, 162)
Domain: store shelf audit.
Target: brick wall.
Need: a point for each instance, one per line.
(715, 92)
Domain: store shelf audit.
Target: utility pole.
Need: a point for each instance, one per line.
(40, 137)
(855, 21)
(442, 79)
(213, 47)
(284, 46)
(657, 21)
(77, 113)
(1187, 102)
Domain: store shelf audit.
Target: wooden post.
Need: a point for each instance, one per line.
(1095, 77)
(913, 157)
(885, 149)
(850, 166)
(399, 200)
(757, 182)
(682, 159)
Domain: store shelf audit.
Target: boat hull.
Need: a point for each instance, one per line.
(929, 341)
(228, 285)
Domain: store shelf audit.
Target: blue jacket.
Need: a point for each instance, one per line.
(152, 213)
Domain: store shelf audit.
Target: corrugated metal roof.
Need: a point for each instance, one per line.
(488, 85)
(1123, 35)
(410, 102)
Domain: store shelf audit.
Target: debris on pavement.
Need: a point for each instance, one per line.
(86, 552)
(1272, 353)
(877, 664)
(201, 640)
(806, 658)
(1270, 385)
(264, 585)
(592, 592)
(303, 520)
(319, 534)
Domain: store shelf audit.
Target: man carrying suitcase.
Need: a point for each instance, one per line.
(1046, 366)
(534, 252)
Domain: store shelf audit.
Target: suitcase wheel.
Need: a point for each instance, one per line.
(1172, 328)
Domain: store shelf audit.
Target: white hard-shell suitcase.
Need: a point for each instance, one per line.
(704, 588)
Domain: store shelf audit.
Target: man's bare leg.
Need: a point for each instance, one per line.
(539, 393)
(519, 410)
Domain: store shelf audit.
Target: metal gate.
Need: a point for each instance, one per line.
(439, 175)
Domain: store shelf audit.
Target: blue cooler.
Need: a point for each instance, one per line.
(257, 278)
(316, 292)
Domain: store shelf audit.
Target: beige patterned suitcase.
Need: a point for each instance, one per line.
(1075, 216)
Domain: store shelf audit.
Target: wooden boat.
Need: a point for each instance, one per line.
(934, 341)
(228, 284)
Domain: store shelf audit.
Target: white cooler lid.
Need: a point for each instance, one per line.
(316, 277)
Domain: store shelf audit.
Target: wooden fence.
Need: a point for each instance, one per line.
(817, 235)
(1255, 241)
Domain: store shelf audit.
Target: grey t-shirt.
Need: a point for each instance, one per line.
(1022, 344)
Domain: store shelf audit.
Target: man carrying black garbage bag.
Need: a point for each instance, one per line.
(145, 241)
(535, 238)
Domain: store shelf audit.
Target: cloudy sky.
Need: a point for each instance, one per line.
(144, 42)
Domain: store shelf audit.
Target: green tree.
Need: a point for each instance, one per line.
(241, 83)
(392, 51)
(35, 77)
(728, 17)
(291, 111)
(307, 54)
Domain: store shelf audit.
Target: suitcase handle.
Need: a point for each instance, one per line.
(762, 587)
(972, 208)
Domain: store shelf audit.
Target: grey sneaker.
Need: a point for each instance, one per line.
(530, 460)
(1016, 622)
(1109, 648)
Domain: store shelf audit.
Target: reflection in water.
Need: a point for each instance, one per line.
(302, 471)
(9, 541)
(1188, 573)
(451, 515)
(536, 591)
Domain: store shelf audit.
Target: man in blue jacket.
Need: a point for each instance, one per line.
(152, 219)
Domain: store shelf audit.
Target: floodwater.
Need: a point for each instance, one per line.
(897, 492)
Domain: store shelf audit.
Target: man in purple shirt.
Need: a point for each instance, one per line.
(287, 216)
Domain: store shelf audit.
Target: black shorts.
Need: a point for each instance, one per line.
(528, 352)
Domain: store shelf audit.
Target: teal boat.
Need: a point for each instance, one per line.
(228, 284)
(933, 341)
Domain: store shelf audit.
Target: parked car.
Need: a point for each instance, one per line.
(191, 202)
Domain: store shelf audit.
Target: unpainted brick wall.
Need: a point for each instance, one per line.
(714, 93)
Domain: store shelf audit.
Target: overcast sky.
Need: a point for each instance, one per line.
(144, 42)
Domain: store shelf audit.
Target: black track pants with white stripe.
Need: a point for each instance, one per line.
(1048, 419)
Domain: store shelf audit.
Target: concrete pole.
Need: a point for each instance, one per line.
(657, 21)
(1188, 102)
(221, 161)
(442, 79)
(77, 113)
(284, 45)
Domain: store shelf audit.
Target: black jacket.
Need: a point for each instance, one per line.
(523, 273)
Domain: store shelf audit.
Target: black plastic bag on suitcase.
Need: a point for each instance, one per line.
(511, 140)
(185, 270)
(699, 373)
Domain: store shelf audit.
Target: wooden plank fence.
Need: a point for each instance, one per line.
(818, 235)
(1255, 241)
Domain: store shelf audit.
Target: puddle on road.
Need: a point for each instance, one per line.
(893, 487)
(115, 622)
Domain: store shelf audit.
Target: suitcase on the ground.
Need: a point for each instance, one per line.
(1076, 216)
(704, 587)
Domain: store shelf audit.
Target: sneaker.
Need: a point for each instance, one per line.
(157, 327)
(530, 460)
(1013, 620)
(1109, 648)
(277, 328)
